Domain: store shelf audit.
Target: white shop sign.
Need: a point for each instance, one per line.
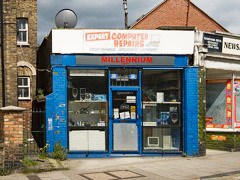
(103, 41)
(231, 46)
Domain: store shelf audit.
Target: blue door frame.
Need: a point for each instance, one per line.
(138, 120)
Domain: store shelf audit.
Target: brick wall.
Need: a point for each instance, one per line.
(10, 51)
(12, 146)
(44, 77)
(174, 13)
(14, 53)
(202, 111)
(28, 9)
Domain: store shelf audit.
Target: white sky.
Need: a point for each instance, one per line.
(110, 14)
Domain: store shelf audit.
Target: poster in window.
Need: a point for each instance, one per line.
(216, 103)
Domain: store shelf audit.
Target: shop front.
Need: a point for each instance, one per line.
(222, 91)
(123, 104)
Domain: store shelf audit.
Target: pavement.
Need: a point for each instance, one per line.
(215, 165)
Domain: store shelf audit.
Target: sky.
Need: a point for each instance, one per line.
(110, 14)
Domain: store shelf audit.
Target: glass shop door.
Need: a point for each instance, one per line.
(125, 120)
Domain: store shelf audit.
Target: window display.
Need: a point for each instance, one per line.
(124, 77)
(219, 104)
(87, 109)
(237, 103)
(161, 109)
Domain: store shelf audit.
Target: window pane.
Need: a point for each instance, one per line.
(23, 92)
(161, 98)
(22, 36)
(22, 23)
(158, 139)
(20, 82)
(124, 77)
(237, 101)
(125, 137)
(20, 92)
(22, 30)
(216, 96)
(25, 81)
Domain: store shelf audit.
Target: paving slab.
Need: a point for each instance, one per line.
(213, 165)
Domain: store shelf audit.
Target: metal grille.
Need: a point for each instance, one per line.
(33, 177)
(119, 174)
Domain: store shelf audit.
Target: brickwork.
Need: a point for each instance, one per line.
(14, 53)
(10, 51)
(44, 78)
(202, 111)
(175, 13)
(191, 112)
(28, 9)
(12, 146)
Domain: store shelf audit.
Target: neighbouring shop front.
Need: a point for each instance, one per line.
(129, 101)
(222, 91)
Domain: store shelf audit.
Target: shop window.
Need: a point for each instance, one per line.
(87, 109)
(124, 77)
(23, 88)
(237, 103)
(161, 93)
(218, 104)
(22, 31)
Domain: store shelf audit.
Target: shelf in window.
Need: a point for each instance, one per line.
(160, 148)
(87, 128)
(155, 102)
(169, 88)
(73, 113)
(154, 124)
(169, 79)
(81, 101)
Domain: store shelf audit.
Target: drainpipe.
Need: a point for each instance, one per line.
(2, 57)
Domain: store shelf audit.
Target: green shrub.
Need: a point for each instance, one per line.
(5, 172)
(59, 152)
(28, 163)
(43, 152)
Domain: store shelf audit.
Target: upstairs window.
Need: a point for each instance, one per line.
(22, 31)
(23, 88)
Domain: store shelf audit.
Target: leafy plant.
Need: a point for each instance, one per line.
(28, 163)
(59, 152)
(43, 152)
(5, 172)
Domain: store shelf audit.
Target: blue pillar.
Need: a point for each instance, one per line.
(59, 80)
(49, 123)
(190, 125)
(56, 109)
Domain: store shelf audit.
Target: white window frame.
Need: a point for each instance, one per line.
(19, 41)
(24, 86)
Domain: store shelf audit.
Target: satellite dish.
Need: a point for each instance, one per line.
(66, 18)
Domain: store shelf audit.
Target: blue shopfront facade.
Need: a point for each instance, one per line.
(105, 105)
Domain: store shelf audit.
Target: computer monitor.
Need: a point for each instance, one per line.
(153, 141)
